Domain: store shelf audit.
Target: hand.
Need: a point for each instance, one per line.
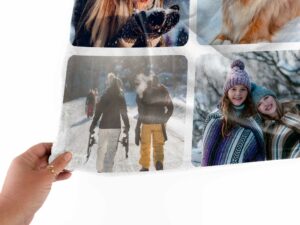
(28, 183)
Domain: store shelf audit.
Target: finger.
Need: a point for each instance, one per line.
(40, 150)
(63, 176)
(59, 164)
(33, 155)
(43, 162)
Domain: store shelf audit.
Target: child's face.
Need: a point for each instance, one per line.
(143, 5)
(267, 106)
(237, 94)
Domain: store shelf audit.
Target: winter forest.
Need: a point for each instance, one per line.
(278, 71)
(88, 72)
(85, 73)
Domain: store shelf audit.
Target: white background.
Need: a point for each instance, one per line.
(33, 38)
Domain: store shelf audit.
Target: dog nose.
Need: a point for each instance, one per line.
(175, 7)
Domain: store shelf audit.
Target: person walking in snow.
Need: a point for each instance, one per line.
(90, 103)
(155, 107)
(231, 135)
(280, 122)
(109, 109)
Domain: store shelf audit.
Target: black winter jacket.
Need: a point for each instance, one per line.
(156, 106)
(109, 108)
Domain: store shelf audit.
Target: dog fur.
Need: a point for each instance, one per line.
(252, 21)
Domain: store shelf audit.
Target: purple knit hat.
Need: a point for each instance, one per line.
(237, 76)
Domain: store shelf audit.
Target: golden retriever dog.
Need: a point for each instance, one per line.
(252, 21)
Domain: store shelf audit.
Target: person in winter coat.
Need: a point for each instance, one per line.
(155, 107)
(109, 109)
(280, 122)
(97, 22)
(90, 104)
(231, 135)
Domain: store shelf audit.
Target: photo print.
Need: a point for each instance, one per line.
(124, 114)
(247, 108)
(130, 23)
(246, 22)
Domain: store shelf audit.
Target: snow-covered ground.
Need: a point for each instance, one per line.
(196, 156)
(209, 23)
(74, 133)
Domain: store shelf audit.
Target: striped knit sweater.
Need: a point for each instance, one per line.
(282, 136)
(243, 144)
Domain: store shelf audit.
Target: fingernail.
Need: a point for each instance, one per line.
(67, 156)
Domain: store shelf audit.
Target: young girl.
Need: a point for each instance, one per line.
(109, 110)
(231, 135)
(280, 123)
(97, 22)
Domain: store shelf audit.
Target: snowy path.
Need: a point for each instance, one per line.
(75, 131)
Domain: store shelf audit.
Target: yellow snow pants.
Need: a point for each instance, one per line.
(154, 132)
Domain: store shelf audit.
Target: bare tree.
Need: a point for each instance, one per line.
(281, 70)
(278, 71)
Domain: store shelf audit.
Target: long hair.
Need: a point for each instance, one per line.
(279, 110)
(114, 85)
(106, 17)
(229, 117)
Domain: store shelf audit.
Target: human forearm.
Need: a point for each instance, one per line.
(28, 183)
(11, 213)
(126, 121)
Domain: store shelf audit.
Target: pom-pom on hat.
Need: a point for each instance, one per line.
(237, 76)
(258, 92)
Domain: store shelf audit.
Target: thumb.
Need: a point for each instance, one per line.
(59, 164)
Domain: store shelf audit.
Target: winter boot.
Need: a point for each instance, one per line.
(159, 165)
(144, 169)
